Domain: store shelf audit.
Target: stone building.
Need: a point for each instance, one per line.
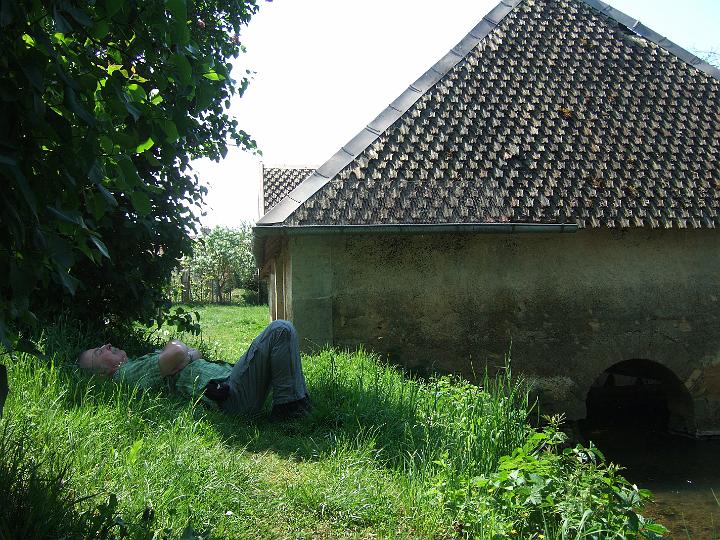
(549, 188)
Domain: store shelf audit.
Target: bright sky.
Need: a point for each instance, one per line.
(326, 68)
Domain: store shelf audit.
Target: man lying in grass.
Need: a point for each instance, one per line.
(272, 361)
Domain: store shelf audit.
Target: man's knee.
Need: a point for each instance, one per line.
(281, 326)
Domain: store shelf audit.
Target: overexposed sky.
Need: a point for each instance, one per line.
(325, 68)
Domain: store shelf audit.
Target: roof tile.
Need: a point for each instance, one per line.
(279, 181)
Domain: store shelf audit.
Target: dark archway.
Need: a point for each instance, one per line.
(642, 395)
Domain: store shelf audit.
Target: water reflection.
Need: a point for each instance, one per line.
(682, 473)
(631, 409)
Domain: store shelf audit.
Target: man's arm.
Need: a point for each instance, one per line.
(175, 356)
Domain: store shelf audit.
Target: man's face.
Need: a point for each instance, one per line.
(105, 359)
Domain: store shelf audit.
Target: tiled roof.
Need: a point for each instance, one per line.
(550, 111)
(279, 181)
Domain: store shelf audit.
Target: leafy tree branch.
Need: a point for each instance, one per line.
(102, 107)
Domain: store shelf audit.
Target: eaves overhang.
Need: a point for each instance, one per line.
(261, 232)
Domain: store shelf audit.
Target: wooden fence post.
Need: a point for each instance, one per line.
(186, 292)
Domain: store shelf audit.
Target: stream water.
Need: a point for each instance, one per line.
(682, 473)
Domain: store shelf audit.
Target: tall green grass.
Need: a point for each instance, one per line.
(382, 455)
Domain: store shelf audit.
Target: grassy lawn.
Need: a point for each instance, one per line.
(382, 455)
(228, 330)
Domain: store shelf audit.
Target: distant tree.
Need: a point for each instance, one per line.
(102, 106)
(222, 259)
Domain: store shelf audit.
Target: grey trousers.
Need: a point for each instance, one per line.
(272, 361)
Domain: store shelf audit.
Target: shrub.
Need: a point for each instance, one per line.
(543, 490)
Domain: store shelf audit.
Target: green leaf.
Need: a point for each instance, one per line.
(77, 14)
(95, 174)
(134, 452)
(20, 281)
(178, 9)
(183, 69)
(59, 251)
(75, 106)
(113, 6)
(180, 33)
(189, 534)
(24, 187)
(88, 252)
(61, 24)
(97, 205)
(100, 29)
(112, 68)
(109, 197)
(66, 280)
(170, 129)
(100, 245)
(136, 91)
(147, 145)
(214, 76)
(141, 202)
(34, 74)
(107, 144)
(129, 172)
(68, 217)
(204, 94)
(132, 109)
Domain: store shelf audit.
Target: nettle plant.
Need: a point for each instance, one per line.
(546, 489)
(102, 106)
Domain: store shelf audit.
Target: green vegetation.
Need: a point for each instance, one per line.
(103, 105)
(221, 260)
(382, 455)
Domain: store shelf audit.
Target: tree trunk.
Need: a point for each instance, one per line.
(186, 293)
(4, 388)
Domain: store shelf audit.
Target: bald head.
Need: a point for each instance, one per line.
(103, 360)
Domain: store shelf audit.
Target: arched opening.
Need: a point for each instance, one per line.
(640, 395)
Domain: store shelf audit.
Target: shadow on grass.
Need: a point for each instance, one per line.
(358, 402)
(353, 396)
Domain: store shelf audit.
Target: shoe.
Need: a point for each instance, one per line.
(292, 410)
(218, 391)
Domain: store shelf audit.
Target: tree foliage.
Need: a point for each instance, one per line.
(222, 259)
(102, 106)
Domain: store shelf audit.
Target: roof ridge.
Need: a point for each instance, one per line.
(286, 166)
(397, 108)
(635, 26)
(322, 175)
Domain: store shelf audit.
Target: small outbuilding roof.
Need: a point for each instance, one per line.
(547, 112)
(277, 182)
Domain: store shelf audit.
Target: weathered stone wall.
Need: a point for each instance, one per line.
(567, 306)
